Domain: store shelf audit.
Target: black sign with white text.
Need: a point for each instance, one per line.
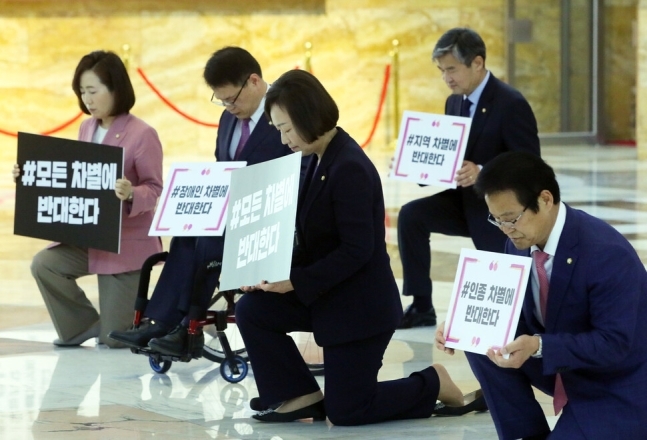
(65, 191)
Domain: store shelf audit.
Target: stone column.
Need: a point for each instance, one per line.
(641, 81)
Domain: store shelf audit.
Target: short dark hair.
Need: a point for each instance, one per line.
(525, 174)
(230, 65)
(112, 73)
(463, 43)
(310, 107)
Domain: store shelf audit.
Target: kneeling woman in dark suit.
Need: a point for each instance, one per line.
(341, 286)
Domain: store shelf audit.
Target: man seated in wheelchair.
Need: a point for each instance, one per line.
(193, 263)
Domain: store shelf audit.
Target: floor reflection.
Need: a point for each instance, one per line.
(97, 393)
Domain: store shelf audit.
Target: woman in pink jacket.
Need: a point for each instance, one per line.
(105, 92)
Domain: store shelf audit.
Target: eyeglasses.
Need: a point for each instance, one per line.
(233, 101)
(509, 224)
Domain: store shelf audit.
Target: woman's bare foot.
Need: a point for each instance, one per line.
(302, 402)
(449, 393)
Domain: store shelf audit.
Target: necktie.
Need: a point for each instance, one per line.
(244, 135)
(540, 258)
(465, 108)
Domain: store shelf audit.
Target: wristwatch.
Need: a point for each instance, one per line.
(537, 354)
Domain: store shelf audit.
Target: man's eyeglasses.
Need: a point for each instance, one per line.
(508, 224)
(233, 101)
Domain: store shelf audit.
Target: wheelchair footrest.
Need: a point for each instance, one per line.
(164, 357)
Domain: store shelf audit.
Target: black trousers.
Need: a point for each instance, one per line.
(353, 395)
(171, 298)
(457, 212)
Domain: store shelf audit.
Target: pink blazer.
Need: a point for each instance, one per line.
(143, 167)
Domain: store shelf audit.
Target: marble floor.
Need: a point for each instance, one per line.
(97, 393)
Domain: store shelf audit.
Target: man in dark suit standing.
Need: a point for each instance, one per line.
(581, 333)
(502, 120)
(244, 134)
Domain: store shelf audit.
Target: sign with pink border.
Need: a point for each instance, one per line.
(486, 300)
(194, 199)
(430, 148)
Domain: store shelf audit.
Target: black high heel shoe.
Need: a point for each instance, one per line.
(476, 402)
(316, 411)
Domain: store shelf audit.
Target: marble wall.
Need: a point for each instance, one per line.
(619, 69)
(641, 82)
(41, 42)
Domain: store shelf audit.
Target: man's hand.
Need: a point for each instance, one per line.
(440, 339)
(466, 175)
(519, 350)
(277, 287)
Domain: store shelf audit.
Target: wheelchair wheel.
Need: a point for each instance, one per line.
(311, 352)
(225, 300)
(159, 367)
(234, 376)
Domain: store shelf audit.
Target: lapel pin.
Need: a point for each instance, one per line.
(569, 260)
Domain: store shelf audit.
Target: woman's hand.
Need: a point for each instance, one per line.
(278, 287)
(123, 189)
(15, 172)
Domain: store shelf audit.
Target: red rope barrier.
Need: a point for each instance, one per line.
(50, 131)
(62, 126)
(385, 86)
(170, 104)
(387, 75)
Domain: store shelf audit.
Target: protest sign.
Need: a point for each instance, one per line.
(430, 148)
(194, 199)
(486, 300)
(260, 222)
(66, 192)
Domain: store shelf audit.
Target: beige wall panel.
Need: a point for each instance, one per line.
(41, 42)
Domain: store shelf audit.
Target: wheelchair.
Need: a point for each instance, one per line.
(223, 343)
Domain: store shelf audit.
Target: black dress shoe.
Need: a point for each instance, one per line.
(412, 318)
(476, 402)
(176, 343)
(139, 337)
(316, 411)
(256, 405)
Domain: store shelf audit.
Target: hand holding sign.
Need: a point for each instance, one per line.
(515, 353)
(466, 175)
(431, 149)
(486, 301)
(440, 340)
(123, 188)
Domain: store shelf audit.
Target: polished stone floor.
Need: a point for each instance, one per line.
(97, 393)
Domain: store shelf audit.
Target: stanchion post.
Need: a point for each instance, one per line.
(308, 57)
(396, 86)
(126, 55)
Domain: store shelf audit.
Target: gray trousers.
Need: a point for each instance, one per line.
(56, 270)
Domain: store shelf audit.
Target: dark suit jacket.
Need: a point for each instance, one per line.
(263, 144)
(596, 327)
(503, 121)
(340, 267)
